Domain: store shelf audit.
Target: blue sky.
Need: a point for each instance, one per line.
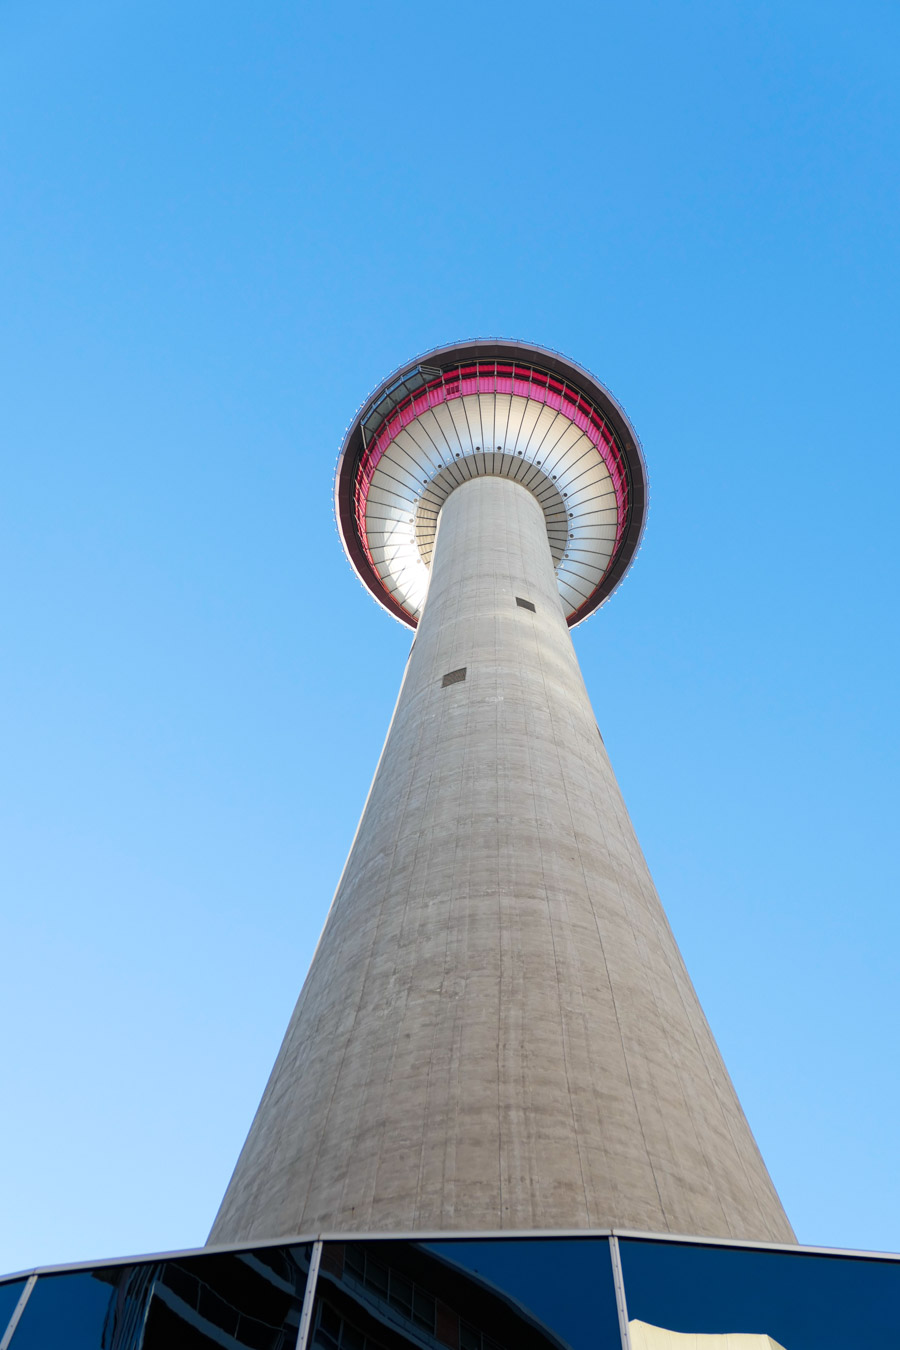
(221, 225)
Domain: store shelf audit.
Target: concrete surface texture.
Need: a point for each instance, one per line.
(497, 1030)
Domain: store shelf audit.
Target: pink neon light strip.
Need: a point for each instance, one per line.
(524, 381)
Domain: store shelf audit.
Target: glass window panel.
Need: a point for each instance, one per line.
(564, 1284)
(469, 1338)
(356, 1259)
(331, 1323)
(69, 1310)
(9, 1297)
(352, 1338)
(376, 1275)
(423, 1309)
(491, 1294)
(247, 1299)
(800, 1301)
(401, 1293)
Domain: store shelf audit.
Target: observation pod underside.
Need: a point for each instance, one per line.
(490, 408)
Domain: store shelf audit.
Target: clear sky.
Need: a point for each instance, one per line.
(221, 225)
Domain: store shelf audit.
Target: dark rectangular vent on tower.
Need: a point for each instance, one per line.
(454, 676)
(525, 604)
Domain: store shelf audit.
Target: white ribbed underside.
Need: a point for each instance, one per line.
(487, 434)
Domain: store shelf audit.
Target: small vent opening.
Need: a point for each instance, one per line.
(454, 677)
(525, 604)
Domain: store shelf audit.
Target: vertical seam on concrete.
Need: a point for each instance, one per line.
(548, 699)
(662, 1024)
(501, 1124)
(624, 909)
(269, 1167)
(711, 1172)
(587, 892)
(752, 1189)
(362, 987)
(661, 925)
(424, 844)
(450, 1131)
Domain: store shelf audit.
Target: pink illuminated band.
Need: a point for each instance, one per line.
(525, 381)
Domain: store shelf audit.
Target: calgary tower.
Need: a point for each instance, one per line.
(497, 1031)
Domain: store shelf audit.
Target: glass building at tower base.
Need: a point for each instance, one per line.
(578, 1291)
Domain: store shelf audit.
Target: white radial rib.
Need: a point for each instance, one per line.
(469, 437)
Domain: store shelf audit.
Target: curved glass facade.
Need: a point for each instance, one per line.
(249, 1298)
(801, 1301)
(585, 1292)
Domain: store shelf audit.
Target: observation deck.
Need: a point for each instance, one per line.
(490, 408)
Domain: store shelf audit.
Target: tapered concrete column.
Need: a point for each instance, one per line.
(497, 1031)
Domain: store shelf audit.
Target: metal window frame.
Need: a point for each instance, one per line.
(18, 1311)
(318, 1240)
(309, 1297)
(444, 1235)
(619, 1287)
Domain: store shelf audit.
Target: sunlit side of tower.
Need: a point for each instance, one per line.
(497, 1030)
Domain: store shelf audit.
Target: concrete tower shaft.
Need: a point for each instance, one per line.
(497, 1030)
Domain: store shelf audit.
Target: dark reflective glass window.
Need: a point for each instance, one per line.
(67, 1309)
(801, 1301)
(9, 1297)
(565, 1284)
(492, 1294)
(245, 1299)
